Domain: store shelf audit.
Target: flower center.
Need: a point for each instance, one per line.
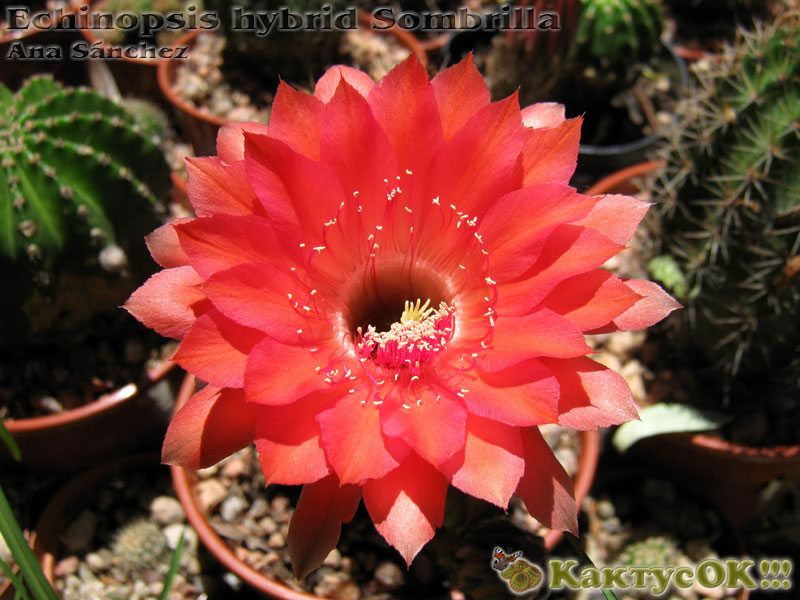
(416, 339)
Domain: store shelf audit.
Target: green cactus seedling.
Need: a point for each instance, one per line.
(139, 546)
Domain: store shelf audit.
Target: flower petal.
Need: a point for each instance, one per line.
(230, 139)
(550, 155)
(294, 119)
(407, 505)
(523, 395)
(169, 301)
(592, 299)
(655, 305)
(405, 106)
(288, 442)
(353, 440)
(434, 429)
(491, 463)
(545, 487)
(480, 163)
(317, 522)
(592, 395)
(356, 147)
(277, 374)
(215, 187)
(460, 92)
(213, 424)
(328, 84)
(165, 247)
(265, 297)
(518, 225)
(294, 190)
(542, 333)
(222, 241)
(568, 251)
(616, 217)
(216, 348)
(543, 114)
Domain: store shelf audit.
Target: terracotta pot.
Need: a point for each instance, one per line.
(13, 71)
(51, 523)
(621, 182)
(730, 475)
(184, 481)
(179, 194)
(113, 424)
(135, 76)
(201, 127)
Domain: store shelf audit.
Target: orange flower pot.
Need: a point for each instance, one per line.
(110, 426)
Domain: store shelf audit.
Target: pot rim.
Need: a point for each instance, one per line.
(89, 36)
(98, 406)
(611, 183)
(51, 520)
(71, 8)
(166, 67)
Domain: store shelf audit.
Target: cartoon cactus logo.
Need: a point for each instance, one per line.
(520, 575)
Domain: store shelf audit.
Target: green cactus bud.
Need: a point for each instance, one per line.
(731, 207)
(616, 32)
(139, 546)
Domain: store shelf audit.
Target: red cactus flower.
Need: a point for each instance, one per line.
(387, 289)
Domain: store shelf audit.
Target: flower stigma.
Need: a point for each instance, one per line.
(420, 334)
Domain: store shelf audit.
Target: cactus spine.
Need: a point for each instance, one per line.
(731, 197)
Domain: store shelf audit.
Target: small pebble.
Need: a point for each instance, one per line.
(389, 576)
(66, 566)
(210, 493)
(166, 510)
(232, 507)
(276, 540)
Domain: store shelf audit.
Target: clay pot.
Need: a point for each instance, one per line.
(113, 424)
(184, 481)
(135, 76)
(51, 523)
(201, 127)
(730, 475)
(622, 181)
(13, 71)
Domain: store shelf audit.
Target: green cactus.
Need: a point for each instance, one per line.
(117, 35)
(79, 188)
(654, 551)
(731, 209)
(613, 33)
(139, 546)
(152, 121)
